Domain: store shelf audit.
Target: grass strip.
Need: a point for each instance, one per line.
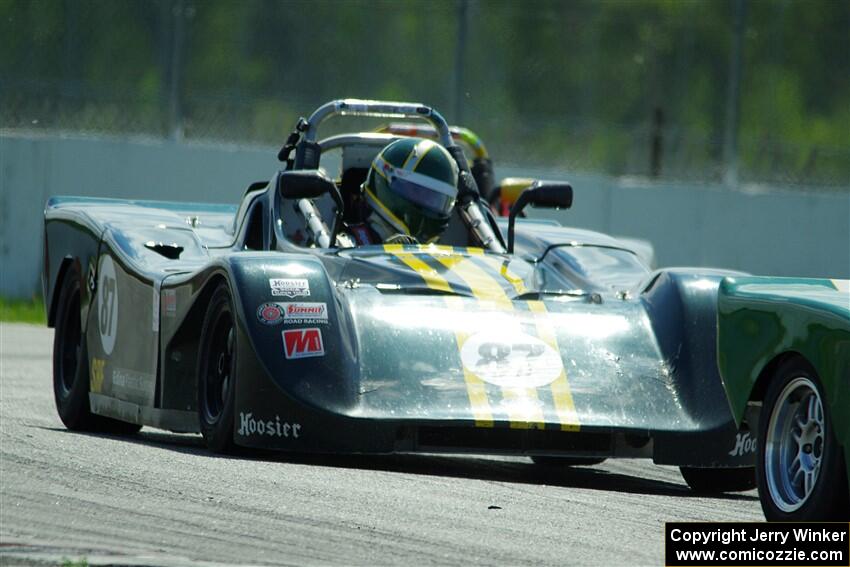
(22, 310)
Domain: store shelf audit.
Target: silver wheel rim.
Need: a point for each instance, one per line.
(794, 445)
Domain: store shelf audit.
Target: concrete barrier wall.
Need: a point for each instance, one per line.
(32, 169)
(777, 233)
(769, 232)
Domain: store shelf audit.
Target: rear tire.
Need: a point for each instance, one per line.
(71, 365)
(557, 462)
(800, 467)
(217, 372)
(715, 481)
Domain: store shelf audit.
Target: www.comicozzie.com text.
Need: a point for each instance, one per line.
(727, 536)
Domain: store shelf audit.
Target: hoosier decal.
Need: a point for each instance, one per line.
(303, 343)
(743, 444)
(289, 287)
(249, 425)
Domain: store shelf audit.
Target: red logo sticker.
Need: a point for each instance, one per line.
(303, 343)
(306, 312)
(269, 314)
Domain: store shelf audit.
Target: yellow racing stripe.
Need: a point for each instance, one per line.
(522, 404)
(564, 405)
(432, 278)
(501, 266)
(483, 286)
(476, 390)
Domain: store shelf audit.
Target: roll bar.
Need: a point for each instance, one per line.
(459, 134)
(308, 150)
(378, 109)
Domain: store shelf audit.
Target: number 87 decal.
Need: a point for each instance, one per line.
(107, 303)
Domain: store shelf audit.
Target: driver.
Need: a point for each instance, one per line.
(409, 194)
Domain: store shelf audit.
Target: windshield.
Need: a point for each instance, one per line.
(588, 267)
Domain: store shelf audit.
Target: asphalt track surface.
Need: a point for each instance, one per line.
(161, 499)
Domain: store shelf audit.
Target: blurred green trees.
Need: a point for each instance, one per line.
(575, 84)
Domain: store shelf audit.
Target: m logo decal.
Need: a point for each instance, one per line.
(303, 343)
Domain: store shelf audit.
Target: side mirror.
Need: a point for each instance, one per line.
(305, 184)
(544, 194)
(311, 184)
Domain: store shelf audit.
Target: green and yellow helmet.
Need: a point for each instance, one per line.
(412, 186)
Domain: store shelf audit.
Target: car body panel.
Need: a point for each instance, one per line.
(397, 321)
(570, 346)
(761, 319)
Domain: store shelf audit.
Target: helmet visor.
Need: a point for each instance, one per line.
(432, 195)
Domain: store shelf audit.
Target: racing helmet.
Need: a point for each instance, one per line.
(412, 187)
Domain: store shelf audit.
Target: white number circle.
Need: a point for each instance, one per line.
(511, 359)
(107, 303)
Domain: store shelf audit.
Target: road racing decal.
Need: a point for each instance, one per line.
(511, 359)
(270, 314)
(296, 313)
(289, 287)
(107, 303)
(303, 343)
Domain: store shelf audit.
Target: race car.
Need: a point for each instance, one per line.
(784, 356)
(260, 324)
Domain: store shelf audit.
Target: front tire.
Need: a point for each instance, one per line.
(71, 365)
(716, 481)
(800, 465)
(217, 372)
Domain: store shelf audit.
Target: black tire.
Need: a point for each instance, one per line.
(783, 498)
(217, 372)
(557, 462)
(71, 365)
(715, 481)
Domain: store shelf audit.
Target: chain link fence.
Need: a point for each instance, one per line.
(732, 90)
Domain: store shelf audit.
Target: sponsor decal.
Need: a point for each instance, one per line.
(289, 287)
(249, 425)
(107, 303)
(130, 380)
(303, 343)
(96, 378)
(92, 277)
(743, 444)
(169, 301)
(269, 314)
(511, 359)
(294, 313)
